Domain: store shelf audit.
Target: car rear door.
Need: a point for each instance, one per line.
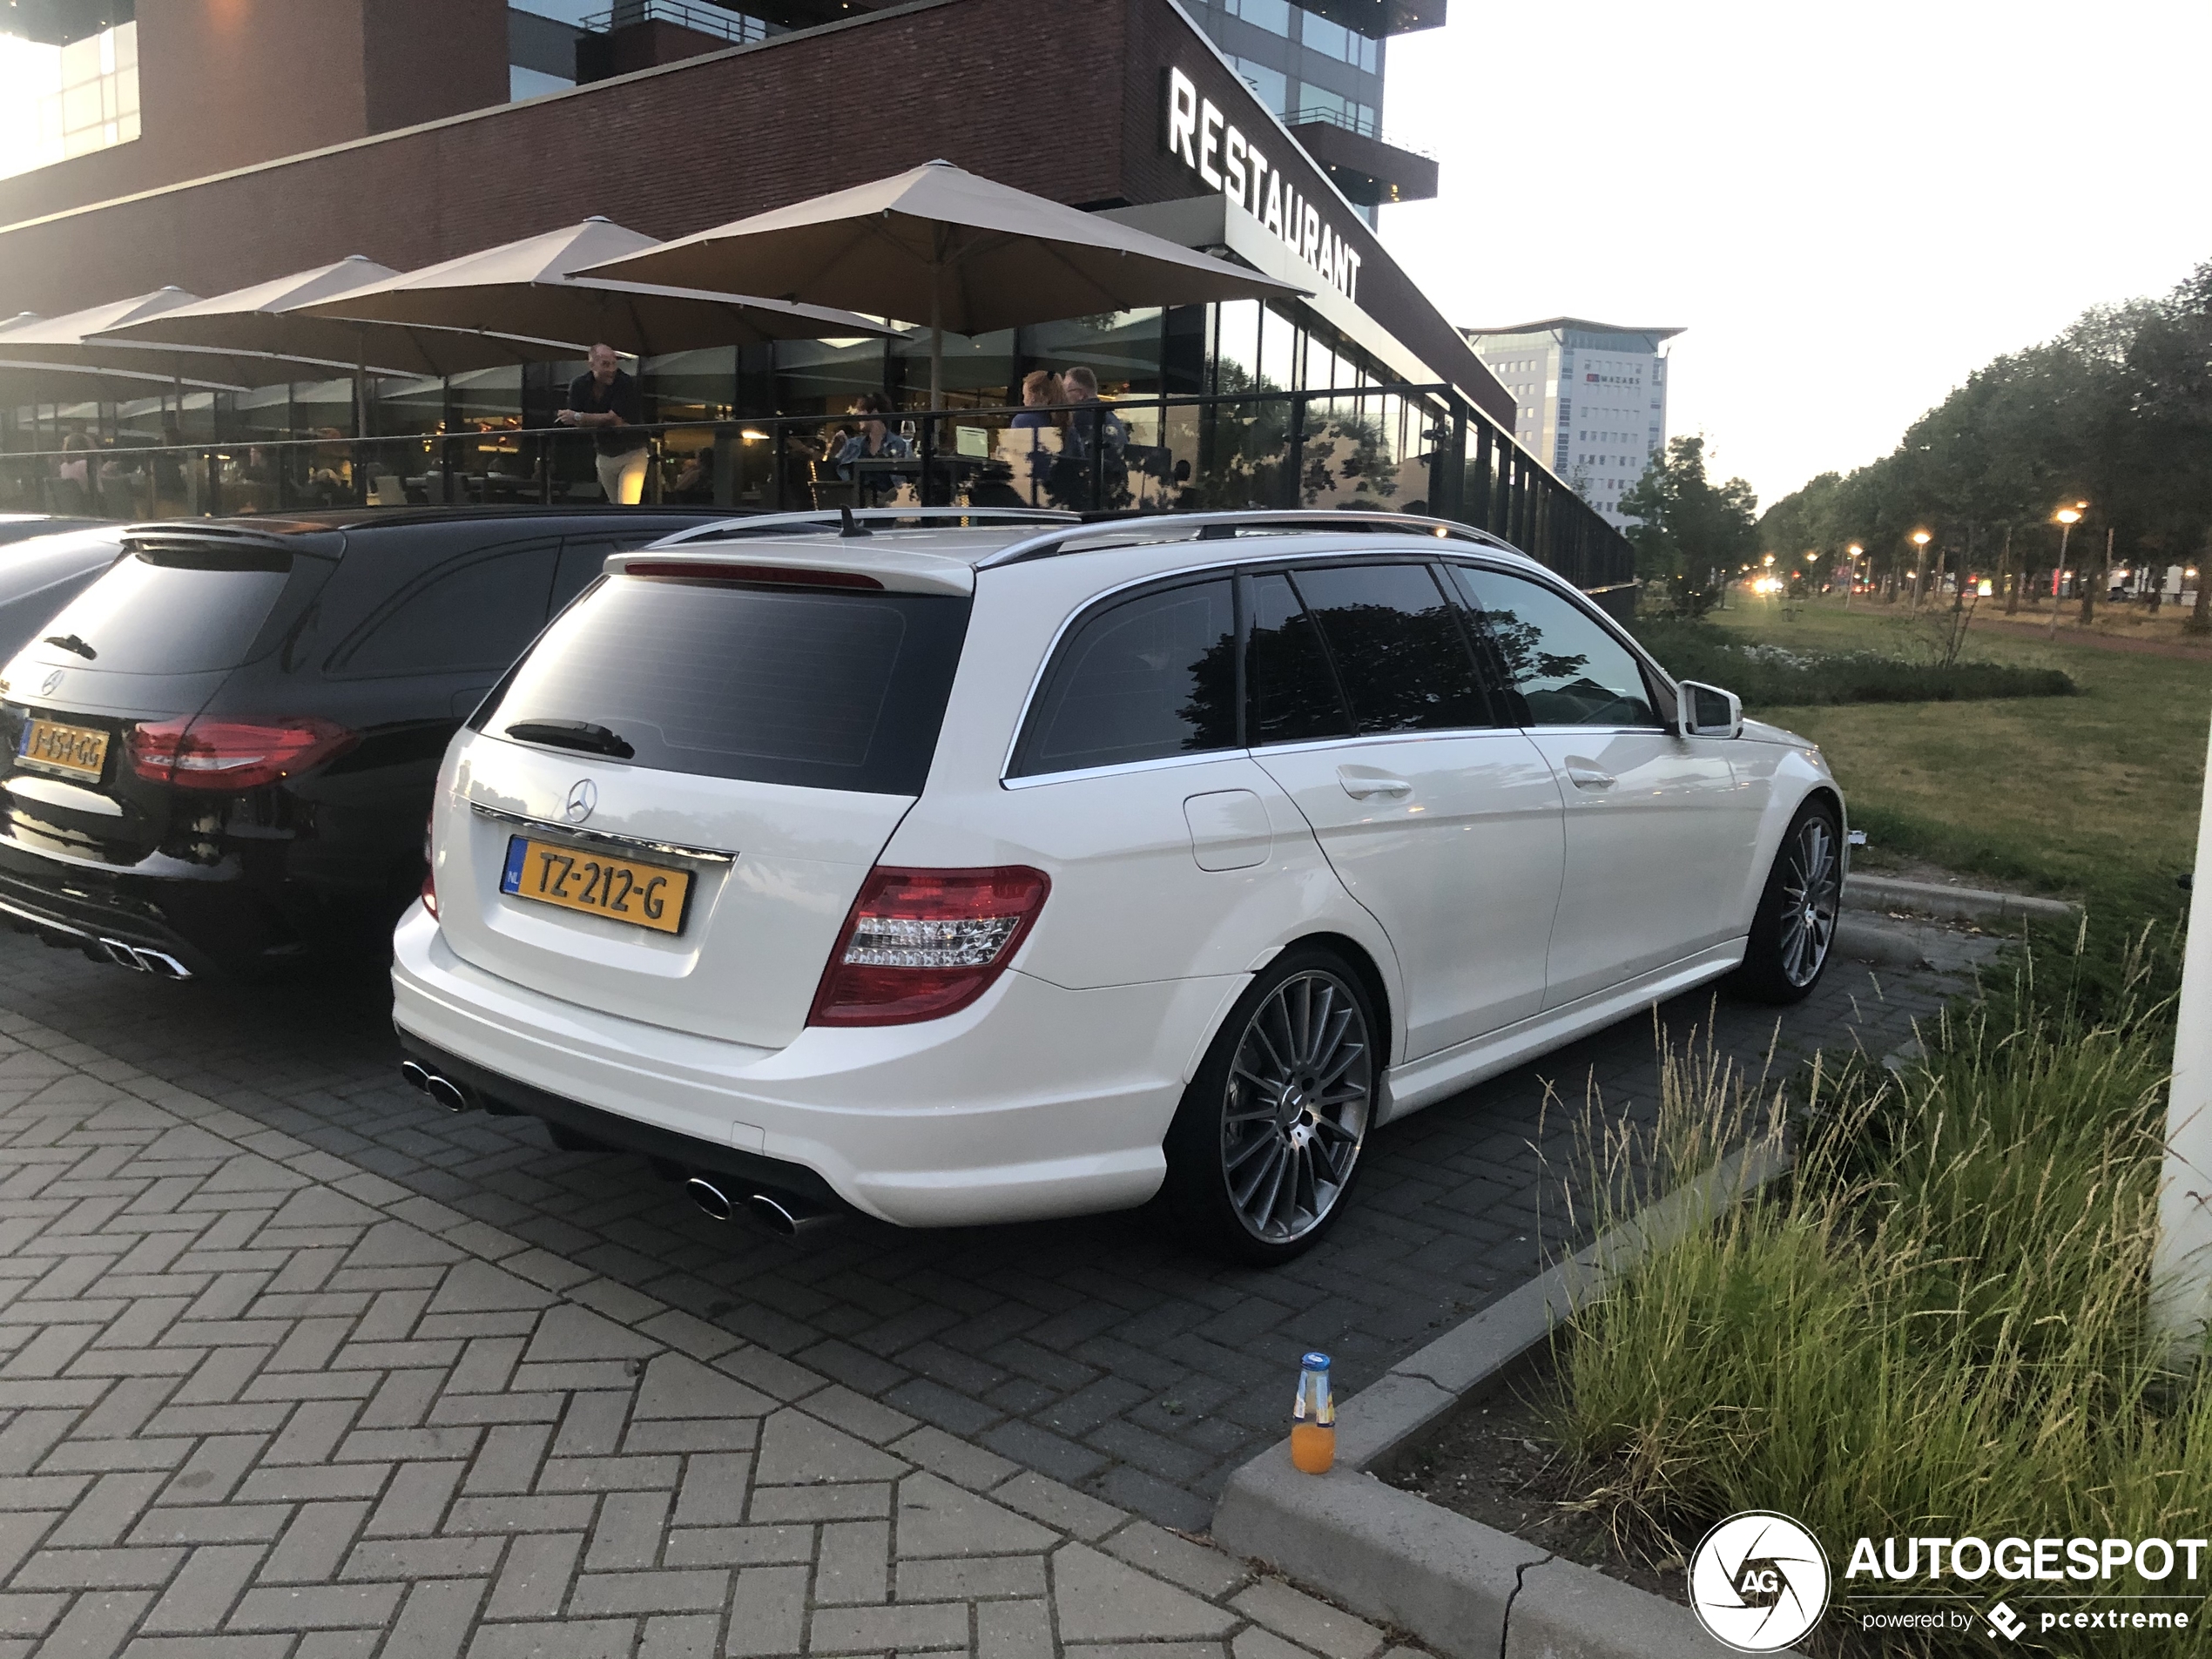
(1656, 824)
(751, 746)
(1364, 705)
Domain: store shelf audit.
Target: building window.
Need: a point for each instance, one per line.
(70, 100)
(1272, 86)
(1273, 16)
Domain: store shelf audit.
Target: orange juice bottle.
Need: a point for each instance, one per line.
(1313, 1419)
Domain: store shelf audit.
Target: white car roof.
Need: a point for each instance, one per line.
(945, 559)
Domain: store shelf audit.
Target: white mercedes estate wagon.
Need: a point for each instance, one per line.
(957, 871)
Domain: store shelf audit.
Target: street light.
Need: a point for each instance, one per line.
(1851, 574)
(2067, 518)
(1920, 540)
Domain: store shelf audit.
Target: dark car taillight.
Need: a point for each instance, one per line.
(920, 944)
(232, 754)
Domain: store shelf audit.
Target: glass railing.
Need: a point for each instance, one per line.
(1416, 450)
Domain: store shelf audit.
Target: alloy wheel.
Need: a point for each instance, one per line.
(1811, 887)
(1300, 1091)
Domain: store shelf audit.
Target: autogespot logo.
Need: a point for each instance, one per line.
(1758, 1582)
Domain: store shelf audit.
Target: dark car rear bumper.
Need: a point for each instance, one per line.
(212, 926)
(749, 1170)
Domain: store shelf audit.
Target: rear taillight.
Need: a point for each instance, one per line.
(429, 867)
(920, 944)
(232, 754)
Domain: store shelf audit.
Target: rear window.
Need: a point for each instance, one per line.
(825, 690)
(175, 610)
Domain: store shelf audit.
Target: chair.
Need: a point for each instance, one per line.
(385, 489)
(830, 490)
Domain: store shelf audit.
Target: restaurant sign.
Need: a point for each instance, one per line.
(1199, 135)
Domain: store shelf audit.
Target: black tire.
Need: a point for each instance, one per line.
(1261, 1181)
(1794, 932)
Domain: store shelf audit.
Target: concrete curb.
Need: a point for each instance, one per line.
(1955, 903)
(1468, 1590)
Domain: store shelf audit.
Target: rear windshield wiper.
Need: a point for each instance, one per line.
(572, 734)
(71, 642)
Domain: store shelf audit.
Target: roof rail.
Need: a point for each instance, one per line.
(1134, 530)
(724, 529)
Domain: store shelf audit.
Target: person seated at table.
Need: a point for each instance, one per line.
(1040, 390)
(875, 440)
(696, 481)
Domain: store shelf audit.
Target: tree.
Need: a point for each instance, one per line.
(1694, 533)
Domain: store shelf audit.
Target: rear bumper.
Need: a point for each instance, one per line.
(1034, 1102)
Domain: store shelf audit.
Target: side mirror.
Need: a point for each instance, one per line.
(1707, 712)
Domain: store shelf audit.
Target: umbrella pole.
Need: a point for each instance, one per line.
(936, 340)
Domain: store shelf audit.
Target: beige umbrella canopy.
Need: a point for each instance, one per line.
(273, 317)
(949, 248)
(529, 287)
(76, 340)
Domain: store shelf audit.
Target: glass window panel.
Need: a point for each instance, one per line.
(1144, 680)
(1274, 16)
(1560, 664)
(1293, 692)
(1398, 647)
(1236, 345)
(478, 614)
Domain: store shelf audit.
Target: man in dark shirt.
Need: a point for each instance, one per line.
(606, 400)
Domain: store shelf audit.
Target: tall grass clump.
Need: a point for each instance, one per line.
(1937, 1325)
(1767, 676)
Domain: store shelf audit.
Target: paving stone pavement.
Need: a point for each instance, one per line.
(1101, 1352)
(259, 1404)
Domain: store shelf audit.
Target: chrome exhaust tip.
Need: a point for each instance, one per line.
(417, 1075)
(162, 965)
(713, 1202)
(448, 1093)
(788, 1215)
(123, 955)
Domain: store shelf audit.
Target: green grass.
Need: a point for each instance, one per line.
(2094, 796)
(1935, 1327)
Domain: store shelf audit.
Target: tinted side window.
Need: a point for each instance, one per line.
(472, 614)
(1557, 660)
(1398, 647)
(1292, 690)
(1151, 676)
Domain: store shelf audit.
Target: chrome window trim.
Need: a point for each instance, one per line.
(600, 837)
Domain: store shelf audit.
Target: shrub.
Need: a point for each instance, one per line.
(1774, 677)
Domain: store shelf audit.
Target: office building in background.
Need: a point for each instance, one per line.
(1590, 400)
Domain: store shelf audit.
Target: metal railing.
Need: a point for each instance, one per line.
(732, 26)
(1366, 126)
(1417, 449)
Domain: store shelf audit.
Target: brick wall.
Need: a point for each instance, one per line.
(226, 84)
(1062, 100)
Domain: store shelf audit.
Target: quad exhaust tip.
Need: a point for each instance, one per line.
(141, 959)
(785, 1214)
(443, 1090)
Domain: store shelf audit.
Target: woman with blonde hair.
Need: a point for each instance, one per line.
(1040, 390)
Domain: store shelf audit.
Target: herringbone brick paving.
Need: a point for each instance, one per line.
(256, 1402)
(1101, 1352)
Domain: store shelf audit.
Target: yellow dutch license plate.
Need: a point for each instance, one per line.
(78, 751)
(598, 883)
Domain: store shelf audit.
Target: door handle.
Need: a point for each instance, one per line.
(1360, 783)
(1583, 775)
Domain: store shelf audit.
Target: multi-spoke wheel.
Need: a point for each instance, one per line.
(1268, 1138)
(1796, 923)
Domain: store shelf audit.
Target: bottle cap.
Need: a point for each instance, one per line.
(1315, 1362)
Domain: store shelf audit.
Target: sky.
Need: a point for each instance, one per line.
(1847, 208)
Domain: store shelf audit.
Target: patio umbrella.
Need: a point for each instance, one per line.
(949, 248)
(273, 320)
(529, 287)
(84, 339)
